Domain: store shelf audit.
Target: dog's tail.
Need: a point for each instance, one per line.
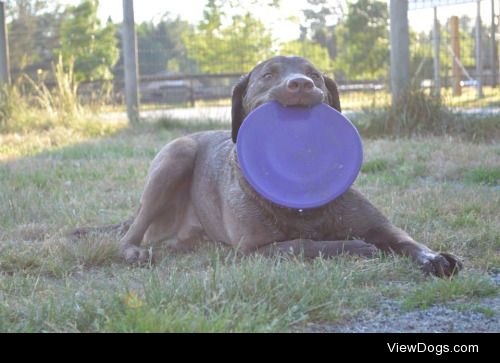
(120, 229)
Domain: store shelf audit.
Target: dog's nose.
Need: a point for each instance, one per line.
(300, 84)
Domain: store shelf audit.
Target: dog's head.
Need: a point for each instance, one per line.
(291, 81)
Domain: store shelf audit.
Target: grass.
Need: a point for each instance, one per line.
(443, 190)
(441, 291)
(485, 176)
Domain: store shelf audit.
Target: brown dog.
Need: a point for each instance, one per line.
(195, 190)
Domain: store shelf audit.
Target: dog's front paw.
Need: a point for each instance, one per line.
(136, 256)
(439, 264)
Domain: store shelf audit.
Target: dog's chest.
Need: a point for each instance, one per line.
(315, 224)
(302, 224)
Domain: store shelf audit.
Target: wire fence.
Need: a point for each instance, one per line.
(171, 75)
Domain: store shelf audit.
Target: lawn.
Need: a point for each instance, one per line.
(443, 190)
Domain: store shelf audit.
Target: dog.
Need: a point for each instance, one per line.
(196, 191)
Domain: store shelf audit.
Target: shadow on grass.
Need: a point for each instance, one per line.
(97, 181)
(45, 181)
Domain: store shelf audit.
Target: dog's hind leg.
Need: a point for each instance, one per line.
(169, 177)
(119, 229)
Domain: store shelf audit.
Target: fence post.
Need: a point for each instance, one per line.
(494, 49)
(436, 40)
(400, 49)
(4, 48)
(479, 60)
(455, 47)
(130, 62)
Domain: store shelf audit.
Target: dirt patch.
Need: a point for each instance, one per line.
(476, 317)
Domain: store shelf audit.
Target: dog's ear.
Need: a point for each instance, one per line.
(238, 111)
(333, 94)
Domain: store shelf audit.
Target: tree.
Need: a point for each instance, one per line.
(363, 40)
(161, 47)
(92, 47)
(245, 42)
(316, 53)
(203, 44)
(321, 17)
(33, 33)
(236, 47)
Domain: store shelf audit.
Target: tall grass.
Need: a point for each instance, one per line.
(62, 101)
(30, 105)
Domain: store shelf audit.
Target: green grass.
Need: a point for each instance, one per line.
(442, 190)
(375, 166)
(441, 291)
(484, 176)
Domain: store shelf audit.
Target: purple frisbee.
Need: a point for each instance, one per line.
(299, 157)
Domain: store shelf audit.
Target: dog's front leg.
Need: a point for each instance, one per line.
(169, 175)
(389, 238)
(314, 249)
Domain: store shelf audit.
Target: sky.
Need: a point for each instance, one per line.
(283, 28)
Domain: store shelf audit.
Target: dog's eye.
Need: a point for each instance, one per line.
(268, 76)
(315, 76)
